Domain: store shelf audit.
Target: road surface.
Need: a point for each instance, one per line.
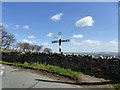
(16, 78)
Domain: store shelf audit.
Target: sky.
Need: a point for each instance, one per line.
(90, 26)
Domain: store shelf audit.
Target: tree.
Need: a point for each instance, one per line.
(26, 46)
(37, 48)
(19, 46)
(23, 46)
(47, 50)
(29, 47)
(6, 38)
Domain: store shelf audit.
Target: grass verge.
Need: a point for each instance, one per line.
(46, 67)
(117, 86)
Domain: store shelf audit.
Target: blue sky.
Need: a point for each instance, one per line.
(91, 27)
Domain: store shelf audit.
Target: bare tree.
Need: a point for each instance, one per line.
(19, 46)
(47, 50)
(26, 46)
(29, 47)
(37, 48)
(6, 38)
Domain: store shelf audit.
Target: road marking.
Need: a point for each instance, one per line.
(1, 72)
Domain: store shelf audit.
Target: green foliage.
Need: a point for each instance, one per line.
(117, 86)
(46, 67)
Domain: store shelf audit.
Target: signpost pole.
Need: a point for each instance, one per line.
(59, 41)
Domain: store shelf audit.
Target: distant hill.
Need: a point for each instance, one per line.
(96, 53)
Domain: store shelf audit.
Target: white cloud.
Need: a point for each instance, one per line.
(26, 27)
(113, 42)
(75, 43)
(57, 17)
(49, 35)
(4, 25)
(111, 46)
(11, 26)
(28, 41)
(50, 47)
(17, 26)
(31, 37)
(91, 42)
(86, 42)
(77, 36)
(95, 46)
(1, 23)
(85, 21)
(45, 43)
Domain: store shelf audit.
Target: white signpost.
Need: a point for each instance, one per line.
(60, 41)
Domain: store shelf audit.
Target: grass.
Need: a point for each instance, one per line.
(7, 50)
(117, 86)
(46, 67)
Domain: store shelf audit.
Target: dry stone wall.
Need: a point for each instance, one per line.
(103, 67)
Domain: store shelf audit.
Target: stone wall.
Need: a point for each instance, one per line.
(103, 67)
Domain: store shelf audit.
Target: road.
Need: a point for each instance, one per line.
(16, 78)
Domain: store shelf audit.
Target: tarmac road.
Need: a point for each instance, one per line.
(16, 78)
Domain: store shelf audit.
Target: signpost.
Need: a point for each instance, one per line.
(60, 41)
